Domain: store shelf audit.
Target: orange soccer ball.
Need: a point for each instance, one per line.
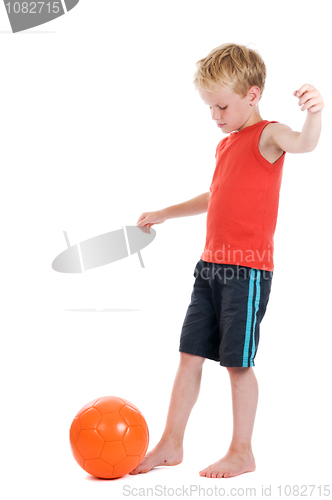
(109, 437)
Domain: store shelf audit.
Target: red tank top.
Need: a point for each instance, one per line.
(243, 207)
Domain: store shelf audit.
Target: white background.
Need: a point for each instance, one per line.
(99, 123)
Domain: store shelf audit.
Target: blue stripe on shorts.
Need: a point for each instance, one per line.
(250, 331)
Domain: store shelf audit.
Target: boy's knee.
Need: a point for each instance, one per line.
(191, 359)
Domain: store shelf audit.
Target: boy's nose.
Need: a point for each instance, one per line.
(215, 114)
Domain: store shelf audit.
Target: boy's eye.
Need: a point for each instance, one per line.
(219, 107)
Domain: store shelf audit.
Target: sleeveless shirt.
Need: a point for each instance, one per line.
(243, 207)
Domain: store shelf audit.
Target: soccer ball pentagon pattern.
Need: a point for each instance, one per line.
(109, 437)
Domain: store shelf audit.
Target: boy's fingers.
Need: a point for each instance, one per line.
(308, 95)
(141, 219)
(303, 89)
(312, 103)
(143, 224)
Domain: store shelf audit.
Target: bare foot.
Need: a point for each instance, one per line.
(232, 464)
(164, 453)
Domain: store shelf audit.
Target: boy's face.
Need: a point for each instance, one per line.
(230, 111)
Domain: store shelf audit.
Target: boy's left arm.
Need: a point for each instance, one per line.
(306, 140)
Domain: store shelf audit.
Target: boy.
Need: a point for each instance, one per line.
(234, 274)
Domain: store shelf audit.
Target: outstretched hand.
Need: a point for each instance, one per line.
(147, 219)
(309, 98)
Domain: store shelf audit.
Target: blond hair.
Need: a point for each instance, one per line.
(232, 66)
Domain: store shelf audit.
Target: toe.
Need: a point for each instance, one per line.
(137, 471)
(220, 474)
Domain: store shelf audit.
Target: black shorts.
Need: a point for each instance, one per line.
(228, 303)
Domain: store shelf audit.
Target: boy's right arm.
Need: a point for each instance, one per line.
(195, 206)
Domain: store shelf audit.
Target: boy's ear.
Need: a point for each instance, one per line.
(254, 95)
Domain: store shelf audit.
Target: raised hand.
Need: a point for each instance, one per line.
(309, 98)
